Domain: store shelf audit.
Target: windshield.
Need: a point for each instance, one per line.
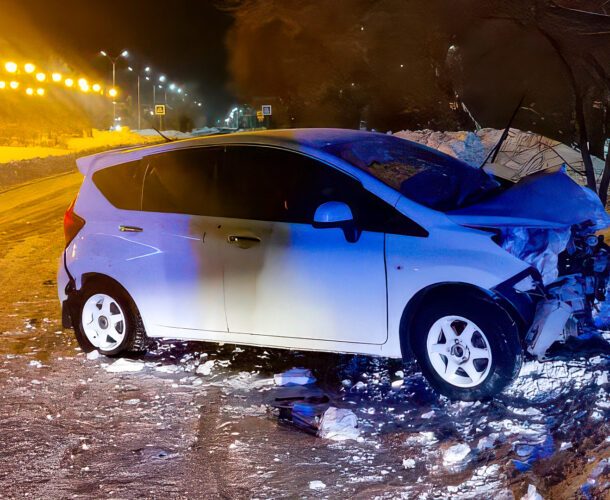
(430, 178)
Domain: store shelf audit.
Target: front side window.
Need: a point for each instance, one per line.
(272, 184)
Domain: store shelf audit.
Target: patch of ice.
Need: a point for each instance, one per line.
(93, 354)
(338, 424)
(532, 494)
(168, 368)
(294, 376)
(487, 442)
(205, 368)
(124, 365)
(424, 438)
(456, 453)
(316, 485)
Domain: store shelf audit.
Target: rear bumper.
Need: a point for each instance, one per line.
(66, 293)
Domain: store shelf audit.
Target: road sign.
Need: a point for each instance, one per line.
(266, 109)
(159, 109)
(259, 116)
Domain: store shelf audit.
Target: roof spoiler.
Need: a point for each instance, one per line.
(85, 163)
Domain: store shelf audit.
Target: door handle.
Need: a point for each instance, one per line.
(130, 229)
(243, 241)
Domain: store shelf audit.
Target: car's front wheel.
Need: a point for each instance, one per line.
(108, 320)
(467, 347)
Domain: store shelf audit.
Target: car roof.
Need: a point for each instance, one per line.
(295, 139)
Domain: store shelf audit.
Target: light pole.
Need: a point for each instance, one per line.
(114, 60)
(147, 69)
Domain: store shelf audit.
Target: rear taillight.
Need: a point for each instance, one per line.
(72, 223)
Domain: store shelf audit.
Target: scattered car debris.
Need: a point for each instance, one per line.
(339, 424)
(294, 376)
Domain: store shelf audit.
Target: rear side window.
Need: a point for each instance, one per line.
(122, 184)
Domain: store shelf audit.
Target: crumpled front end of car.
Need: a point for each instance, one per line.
(553, 224)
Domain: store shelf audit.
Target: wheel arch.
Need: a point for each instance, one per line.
(440, 290)
(86, 279)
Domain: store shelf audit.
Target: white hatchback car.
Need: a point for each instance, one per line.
(313, 239)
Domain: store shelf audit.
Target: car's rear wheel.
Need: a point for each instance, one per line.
(108, 320)
(467, 347)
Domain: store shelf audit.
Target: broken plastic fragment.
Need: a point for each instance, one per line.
(294, 376)
(339, 424)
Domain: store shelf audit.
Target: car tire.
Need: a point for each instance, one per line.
(467, 346)
(106, 319)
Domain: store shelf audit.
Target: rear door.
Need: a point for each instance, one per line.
(182, 276)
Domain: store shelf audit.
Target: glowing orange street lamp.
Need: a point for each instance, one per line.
(11, 67)
(29, 91)
(112, 93)
(96, 87)
(41, 77)
(29, 68)
(40, 91)
(14, 85)
(56, 77)
(69, 82)
(2, 85)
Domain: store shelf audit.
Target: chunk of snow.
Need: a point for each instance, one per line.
(124, 365)
(294, 376)
(428, 415)
(408, 463)
(456, 453)
(93, 354)
(487, 442)
(565, 446)
(316, 485)
(338, 424)
(532, 494)
(205, 368)
(36, 363)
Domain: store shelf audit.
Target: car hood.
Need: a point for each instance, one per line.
(544, 200)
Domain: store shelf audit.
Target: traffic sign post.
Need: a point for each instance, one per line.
(160, 109)
(266, 109)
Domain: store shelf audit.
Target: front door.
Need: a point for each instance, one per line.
(282, 277)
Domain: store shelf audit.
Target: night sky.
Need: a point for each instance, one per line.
(183, 39)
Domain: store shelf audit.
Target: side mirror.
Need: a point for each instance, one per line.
(338, 215)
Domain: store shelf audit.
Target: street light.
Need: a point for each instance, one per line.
(96, 87)
(114, 60)
(69, 82)
(41, 77)
(29, 91)
(29, 68)
(56, 77)
(14, 85)
(11, 67)
(40, 91)
(112, 93)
